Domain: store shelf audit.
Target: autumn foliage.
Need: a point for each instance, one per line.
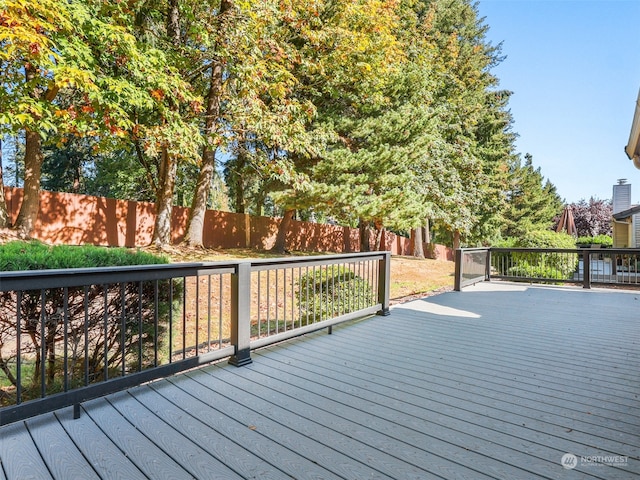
(377, 113)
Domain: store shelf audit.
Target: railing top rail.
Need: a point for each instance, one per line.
(568, 250)
(537, 249)
(74, 277)
(264, 263)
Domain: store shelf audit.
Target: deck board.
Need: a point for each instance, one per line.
(243, 426)
(20, 456)
(496, 382)
(430, 396)
(141, 450)
(327, 430)
(200, 431)
(361, 420)
(100, 451)
(185, 452)
(57, 449)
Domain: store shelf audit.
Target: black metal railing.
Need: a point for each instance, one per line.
(471, 266)
(67, 336)
(585, 266)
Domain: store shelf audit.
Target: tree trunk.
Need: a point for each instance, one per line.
(379, 233)
(259, 203)
(4, 214)
(33, 159)
(456, 239)
(280, 245)
(164, 200)
(427, 231)
(173, 22)
(418, 246)
(365, 232)
(168, 163)
(239, 181)
(239, 196)
(195, 230)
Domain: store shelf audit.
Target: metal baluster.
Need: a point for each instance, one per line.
(156, 329)
(220, 311)
(43, 345)
(19, 347)
(140, 327)
(65, 337)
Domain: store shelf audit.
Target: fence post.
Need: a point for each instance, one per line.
(586, 268)
(488, 266)
(457, 283)
(384, 281)
(240, 315)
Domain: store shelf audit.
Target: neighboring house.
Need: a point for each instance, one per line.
(626, 217)
(633, 147)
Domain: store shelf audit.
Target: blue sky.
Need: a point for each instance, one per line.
(574, 69)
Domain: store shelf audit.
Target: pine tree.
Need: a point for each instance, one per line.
(533, 202)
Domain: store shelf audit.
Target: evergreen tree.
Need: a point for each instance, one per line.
(472, 116)
(533, 203)
(348, 56)
(495, 146)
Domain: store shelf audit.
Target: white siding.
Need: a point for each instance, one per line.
(636, 231)
(621, 197)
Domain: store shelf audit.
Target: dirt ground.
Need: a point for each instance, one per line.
(412, 277)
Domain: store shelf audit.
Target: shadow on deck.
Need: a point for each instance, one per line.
(500, 381)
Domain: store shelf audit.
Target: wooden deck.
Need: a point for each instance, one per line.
(499, 381)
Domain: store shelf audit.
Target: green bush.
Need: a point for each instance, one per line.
(112, 328)
(547, 265)
(537, 264)
(329, 292)
(546, 239)
(603, 240)
(509, 242)
(39, 256)
(524, 270)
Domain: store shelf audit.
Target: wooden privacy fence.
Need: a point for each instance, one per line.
(71, 219)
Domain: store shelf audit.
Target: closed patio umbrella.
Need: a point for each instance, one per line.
(567, 222)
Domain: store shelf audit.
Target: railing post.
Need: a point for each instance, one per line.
(457, 283)
(586, 268)
(488, 266)
(240, 315)
(384, 281)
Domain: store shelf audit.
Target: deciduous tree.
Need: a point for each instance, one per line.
(593, 217)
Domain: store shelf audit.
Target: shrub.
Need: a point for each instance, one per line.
(524, 270)
(509, 242)
(39, 256)
(329, 292)
(538, 264)
(547, 265)
(546, 239)
(109, 329)
(603, 240)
